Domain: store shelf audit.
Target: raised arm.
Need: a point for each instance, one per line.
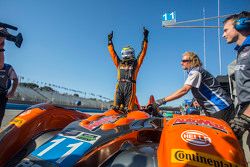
(112, 52)
(143, 47)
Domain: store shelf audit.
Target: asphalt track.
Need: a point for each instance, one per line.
(9, 114)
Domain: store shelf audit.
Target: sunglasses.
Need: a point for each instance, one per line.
(184, 61)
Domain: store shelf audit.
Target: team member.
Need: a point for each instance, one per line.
(7, 73)
(205, 89)
(237, 30)
(127, 69)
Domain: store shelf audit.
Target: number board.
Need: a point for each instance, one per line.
(169, 19)
(64, 150)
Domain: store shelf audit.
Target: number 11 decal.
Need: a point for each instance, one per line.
(61, 150)
(73, 148)
(56, 142)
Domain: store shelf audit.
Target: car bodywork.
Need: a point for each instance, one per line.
(140, 138)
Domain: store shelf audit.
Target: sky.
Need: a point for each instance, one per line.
(65, 41)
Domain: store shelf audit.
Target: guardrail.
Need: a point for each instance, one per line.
(14, 106)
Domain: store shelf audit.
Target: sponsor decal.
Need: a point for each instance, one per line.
(65, 150)
(82, 136)
(70, 133)
(196, 138)
(18, 122)
(87, 137)
(243, 54)
(94, 124)
(239, 67)
(200, 122)
(61, 151)
(25, 113)
(194, 158)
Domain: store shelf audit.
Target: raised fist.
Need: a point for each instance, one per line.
(110, 36)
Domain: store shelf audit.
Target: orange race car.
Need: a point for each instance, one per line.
(142, 138)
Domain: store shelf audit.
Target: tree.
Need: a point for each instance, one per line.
(47, 88)
(76, 95)
(29, 85)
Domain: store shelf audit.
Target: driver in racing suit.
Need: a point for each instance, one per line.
(127, 68)
(237, 30)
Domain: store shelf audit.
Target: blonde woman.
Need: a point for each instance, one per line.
(205, 89)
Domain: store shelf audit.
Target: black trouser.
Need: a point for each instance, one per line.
(3, 101)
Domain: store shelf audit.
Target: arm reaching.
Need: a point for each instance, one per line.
(179, 93)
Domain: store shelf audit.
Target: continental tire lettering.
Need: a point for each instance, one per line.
(191, 157)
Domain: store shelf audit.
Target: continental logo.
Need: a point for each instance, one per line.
(18, 122)
(190, 157)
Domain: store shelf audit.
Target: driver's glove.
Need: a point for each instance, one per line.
(160, 102)
(145, 33)
(239, 125)
(110, 36)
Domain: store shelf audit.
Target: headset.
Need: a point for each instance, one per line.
(242, 24)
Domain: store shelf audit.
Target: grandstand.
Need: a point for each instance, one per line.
(33, 95)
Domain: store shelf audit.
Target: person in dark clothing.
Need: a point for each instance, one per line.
(237, 30)
(7, 73)
(127, 69)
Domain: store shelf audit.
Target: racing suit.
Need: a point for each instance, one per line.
(125, 92)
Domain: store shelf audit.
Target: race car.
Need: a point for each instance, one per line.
(141, 138)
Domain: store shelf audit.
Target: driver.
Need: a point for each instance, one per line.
(127, 71)
(205, 89)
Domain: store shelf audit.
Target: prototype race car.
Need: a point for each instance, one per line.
(140, 138)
